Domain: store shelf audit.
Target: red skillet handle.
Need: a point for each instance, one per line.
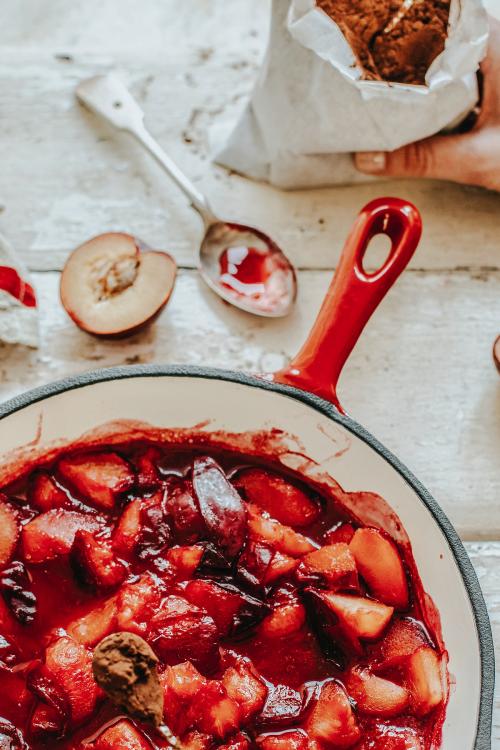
(353, 296)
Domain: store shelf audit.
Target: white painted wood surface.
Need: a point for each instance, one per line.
(421, 378)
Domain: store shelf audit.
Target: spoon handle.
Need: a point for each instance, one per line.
(109, 98)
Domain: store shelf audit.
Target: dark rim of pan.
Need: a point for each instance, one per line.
(484, 724)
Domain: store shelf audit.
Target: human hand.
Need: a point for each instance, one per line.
(471, 158)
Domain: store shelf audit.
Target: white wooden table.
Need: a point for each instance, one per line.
(421, 378)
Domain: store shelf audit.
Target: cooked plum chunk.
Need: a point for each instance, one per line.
(15, 587)
(380, 564)
(183, 510)
(374, 695)
(332, 720)
(155, 534)
(295, 739)
(121, 736)
(283, 500)
(280, 622)
(180, 631)
(400, 641)
(44, 493)
(245, 686)
(52, 534)
(332, 564)
(282, 538)
(128, 529)
(94, 562)
(424, 680)
(70, 665)
(221, 506)
(97, 478)
(9, 530)
(232, 610)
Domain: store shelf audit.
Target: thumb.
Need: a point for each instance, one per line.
(443, 157)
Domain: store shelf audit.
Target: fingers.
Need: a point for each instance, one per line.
(452, 157)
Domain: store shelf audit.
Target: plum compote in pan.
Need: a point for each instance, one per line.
(280, 621)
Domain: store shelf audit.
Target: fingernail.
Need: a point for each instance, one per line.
(371, 162)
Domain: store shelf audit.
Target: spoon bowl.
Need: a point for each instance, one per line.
(247, 269)
(241, 264)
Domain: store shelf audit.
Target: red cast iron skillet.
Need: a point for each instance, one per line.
(303, 398)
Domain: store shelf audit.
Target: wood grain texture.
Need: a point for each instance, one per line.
(421, 378)
(65, 177)
(486, 560)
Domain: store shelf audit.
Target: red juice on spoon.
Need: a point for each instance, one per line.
(259, 274)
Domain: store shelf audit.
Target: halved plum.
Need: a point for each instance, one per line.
(98, 478)
(284, 706)
(52, 534)
(380, 564)
(374, 695)
(221, 506)
(112, 286)
(284, 501)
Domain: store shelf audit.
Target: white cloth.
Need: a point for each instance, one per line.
(310, 109)
(18, 323)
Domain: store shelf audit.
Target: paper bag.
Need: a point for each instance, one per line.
(311, 109)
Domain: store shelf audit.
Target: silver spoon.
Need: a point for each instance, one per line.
(240, 263)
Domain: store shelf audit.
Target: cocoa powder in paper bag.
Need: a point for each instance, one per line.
(317, 100)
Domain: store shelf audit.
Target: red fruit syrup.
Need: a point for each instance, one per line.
(279, 621)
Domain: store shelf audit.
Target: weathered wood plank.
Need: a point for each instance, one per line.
(421, 378)
(486, 560)
(65, 178)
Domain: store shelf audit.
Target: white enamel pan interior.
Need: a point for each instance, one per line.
(173, 397)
